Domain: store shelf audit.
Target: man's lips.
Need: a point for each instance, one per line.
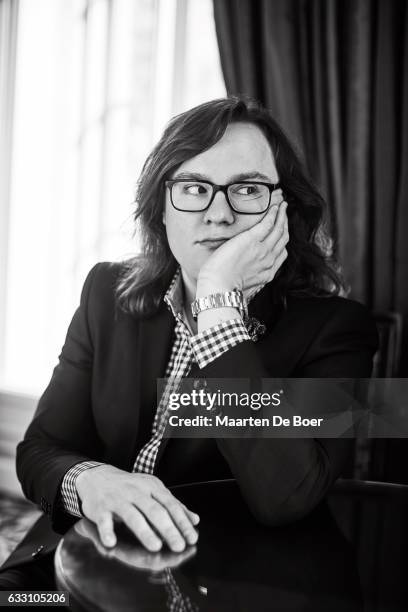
(212, 240)
(212, 244)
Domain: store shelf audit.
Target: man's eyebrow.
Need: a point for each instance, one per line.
(197, 176)
(236, 178)
(253, 174)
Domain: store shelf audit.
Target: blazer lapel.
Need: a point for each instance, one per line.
(139, 357)
(155, 344)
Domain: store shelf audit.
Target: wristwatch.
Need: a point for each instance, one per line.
(231, 299)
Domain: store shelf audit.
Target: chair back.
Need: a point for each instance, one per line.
(388, 356)
(370, 454)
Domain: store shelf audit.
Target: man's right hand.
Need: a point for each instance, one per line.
(142, 502)
(134, 554)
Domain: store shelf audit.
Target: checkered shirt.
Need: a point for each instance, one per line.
(177, 601)
(188, 348)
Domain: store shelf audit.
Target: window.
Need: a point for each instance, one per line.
(96, 80)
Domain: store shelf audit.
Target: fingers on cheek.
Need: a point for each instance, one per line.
(279, 225)
(277, 197)
(283, 235)
(276, 241)
(279, 260)
(282, 211)
(282, 257)
(284, 239)
(266, 229)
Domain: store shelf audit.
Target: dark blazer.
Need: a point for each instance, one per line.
(101, 401)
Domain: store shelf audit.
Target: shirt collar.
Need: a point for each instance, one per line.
(174, 296)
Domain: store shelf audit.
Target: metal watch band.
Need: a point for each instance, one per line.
(232, 299)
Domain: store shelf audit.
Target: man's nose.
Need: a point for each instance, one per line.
(219, 210)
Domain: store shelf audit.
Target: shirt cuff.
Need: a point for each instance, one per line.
(214, 341)
(69, 496)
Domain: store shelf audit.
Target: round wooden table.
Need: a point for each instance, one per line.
(237, 564)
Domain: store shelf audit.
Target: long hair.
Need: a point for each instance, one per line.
(310, 268)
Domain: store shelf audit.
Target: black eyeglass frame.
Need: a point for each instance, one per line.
(224, 188)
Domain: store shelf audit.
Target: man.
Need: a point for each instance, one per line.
(214, 223)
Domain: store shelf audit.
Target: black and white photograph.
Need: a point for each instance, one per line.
(204, 305)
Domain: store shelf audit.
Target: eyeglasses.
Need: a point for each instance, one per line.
(245, 198)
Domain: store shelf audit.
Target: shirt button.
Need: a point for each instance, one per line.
(37, 552)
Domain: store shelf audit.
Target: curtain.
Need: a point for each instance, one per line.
(334, 73)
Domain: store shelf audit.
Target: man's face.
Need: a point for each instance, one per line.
(243, 153)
